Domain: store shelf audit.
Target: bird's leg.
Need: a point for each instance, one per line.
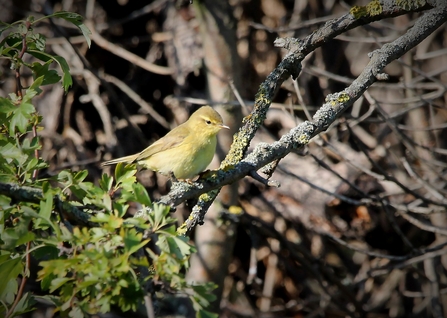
(206, 174)
(172, 177)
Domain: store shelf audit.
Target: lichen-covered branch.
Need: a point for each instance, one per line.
(235, 166)
(34, 195)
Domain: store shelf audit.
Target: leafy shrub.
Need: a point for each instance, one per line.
(91, 256)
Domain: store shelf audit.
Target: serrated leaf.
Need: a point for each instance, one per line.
(20, 118)
(31, 164)
(160, 212)
(141, 194)
(175, 246)
(106, 182)
(10, 291)
(24, 305)
(77, 20)
(80, 176)
(10, 269)
(49, 76)
(201, 313)
(120, 209)
(125, 173)
(65, 177)
(6, 106)
(13, 40)
(67, 81)
(10, 151)
(88, 281)
(4, 26)
(202, 296)
(17, 235)
(34, 89)
(132, 241)
(58, 282)
(36, 41)
(46, 207)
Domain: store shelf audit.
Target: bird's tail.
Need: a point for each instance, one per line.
(127, 159)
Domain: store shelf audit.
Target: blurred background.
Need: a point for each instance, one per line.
(357, 227)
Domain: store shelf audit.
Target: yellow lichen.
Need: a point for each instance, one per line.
(371, 9)
(374, 8)
(236, 210)
(343, 98)
(246, 118)
(209, 196)
(261, 98)
(410, 4)
(302, 139)
(182, 229)
(358, 12)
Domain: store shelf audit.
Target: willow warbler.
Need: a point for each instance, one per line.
(185, 151)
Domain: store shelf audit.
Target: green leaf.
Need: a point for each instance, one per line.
(125, 174)
(175, 246)
(141, 194)
(67, 81)
(22, 28)
(14, 41)
(111, 220)
(33, 90)
(6, 106)
(10, 151)
(31, 164)
(203, 296)
(132, 241)
(46, 252)
(25, 304)
(29, 145)
(65, 178)
(120, 209)
(160, 212)
(201, 313)
(36, 41)
(58, 282)
(43, 56)
(8, 295)
(80, 176)
(9, 269)
(77, 20)
(4, 26)
(49, 76)
(46, 207)
(88, 281)
(17, 235)
(20, 118)
(106, 182)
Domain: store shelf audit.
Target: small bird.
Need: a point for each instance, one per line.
(185, 151)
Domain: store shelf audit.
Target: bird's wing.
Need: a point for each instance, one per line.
(169, 141)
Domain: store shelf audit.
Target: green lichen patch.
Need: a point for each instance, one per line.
(409, 5)
(370, 10)
(358, 12)
(374, 8)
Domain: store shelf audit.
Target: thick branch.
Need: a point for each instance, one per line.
(34, 195)
(234, 167)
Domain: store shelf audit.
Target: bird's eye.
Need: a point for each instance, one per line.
(208, 122)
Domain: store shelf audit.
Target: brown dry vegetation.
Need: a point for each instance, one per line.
(358, 226)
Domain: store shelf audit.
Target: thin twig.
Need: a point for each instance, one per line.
(128, 56)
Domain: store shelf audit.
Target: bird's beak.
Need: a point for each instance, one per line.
(223, 126)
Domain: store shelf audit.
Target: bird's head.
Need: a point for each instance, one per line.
(207, 121)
